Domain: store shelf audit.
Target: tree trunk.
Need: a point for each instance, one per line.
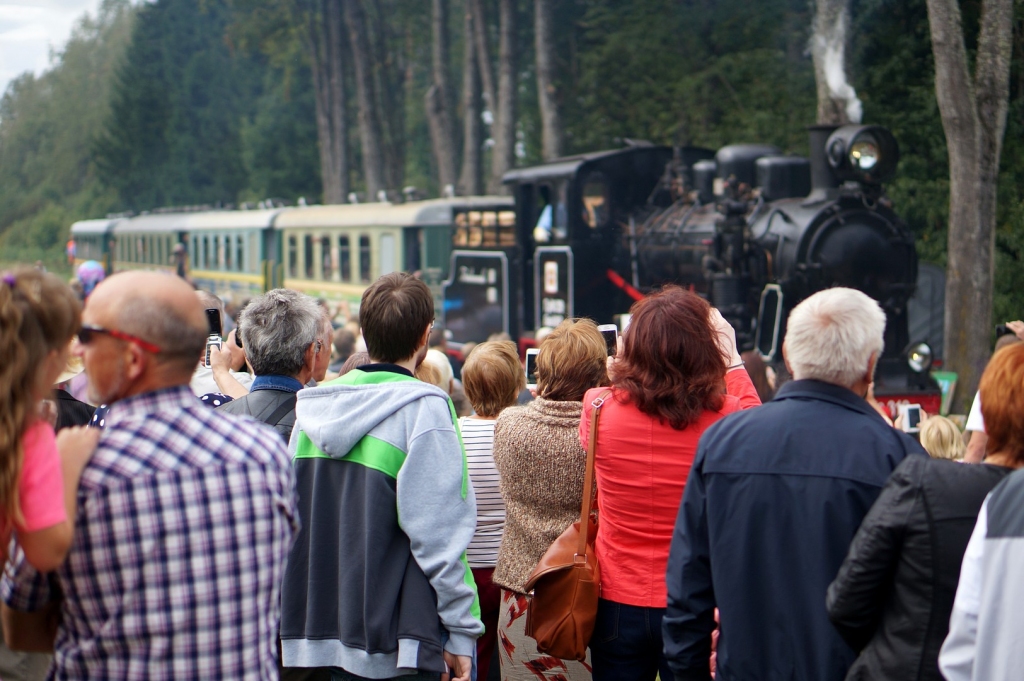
(322, 39)
(552, 130)
(504, 129)
(483, 54)
(837, 100)
(369, 116)
(472, 138)
(390, 90)
(438, 100)
(974, 120)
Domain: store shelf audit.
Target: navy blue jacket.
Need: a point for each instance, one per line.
(773, 500)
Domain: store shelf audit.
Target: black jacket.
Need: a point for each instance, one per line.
(268, 406)
(894, 592)
(774, 497)
(71, 412)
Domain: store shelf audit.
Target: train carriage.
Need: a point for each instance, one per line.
(336, 251)
(93, 241)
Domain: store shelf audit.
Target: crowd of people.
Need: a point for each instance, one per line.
(325, 501)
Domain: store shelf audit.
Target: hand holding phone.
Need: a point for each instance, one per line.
(610, 333)
(213, 340)
(910, 418)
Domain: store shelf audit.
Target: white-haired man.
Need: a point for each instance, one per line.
(774, 498)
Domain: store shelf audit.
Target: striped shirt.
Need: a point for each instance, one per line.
(185, 520)
(478, 437)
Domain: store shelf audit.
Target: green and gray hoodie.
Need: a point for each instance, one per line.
(378, 574)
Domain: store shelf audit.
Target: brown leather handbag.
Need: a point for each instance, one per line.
(565, 585)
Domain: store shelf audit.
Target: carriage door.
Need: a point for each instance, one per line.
(552, 285)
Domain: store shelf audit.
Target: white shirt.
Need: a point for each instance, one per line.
(478, 438)
(202, 382)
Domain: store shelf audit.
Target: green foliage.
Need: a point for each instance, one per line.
(47, 177)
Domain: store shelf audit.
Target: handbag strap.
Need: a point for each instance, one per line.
(588, 479)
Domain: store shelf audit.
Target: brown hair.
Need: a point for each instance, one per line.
(671, 365)
(1002, 402)
(758, 372)
(942, 439)
(572, 360)
(493, 377)
(394, 313)
(354, 361)
(428, 373)
(39, 313)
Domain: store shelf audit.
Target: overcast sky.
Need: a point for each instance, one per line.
(30, 29)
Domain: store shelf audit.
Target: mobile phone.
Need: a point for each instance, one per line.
(213, 339)
(531, 368)
(611, 334)
(911, 414)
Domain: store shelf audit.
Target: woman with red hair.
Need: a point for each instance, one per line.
(678, 371)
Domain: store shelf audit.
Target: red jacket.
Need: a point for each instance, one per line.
(642, 464)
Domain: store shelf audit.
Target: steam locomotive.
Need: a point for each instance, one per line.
(751, 229)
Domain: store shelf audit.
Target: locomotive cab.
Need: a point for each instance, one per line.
(572, 214)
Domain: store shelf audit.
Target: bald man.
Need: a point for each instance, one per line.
(185, 514)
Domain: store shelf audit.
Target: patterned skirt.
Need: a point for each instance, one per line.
(520, 659)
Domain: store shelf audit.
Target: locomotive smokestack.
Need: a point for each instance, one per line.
(823, 181)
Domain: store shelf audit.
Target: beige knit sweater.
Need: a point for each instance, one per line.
(541, 463)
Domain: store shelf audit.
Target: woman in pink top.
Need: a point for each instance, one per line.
(39, 315)
(678, 371)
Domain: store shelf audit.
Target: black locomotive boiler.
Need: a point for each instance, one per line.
(753, 230)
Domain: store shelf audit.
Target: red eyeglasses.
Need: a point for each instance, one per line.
(86, 335)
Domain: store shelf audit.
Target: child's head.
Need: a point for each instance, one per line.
(942, 439)
(493, 377)
(39, 315)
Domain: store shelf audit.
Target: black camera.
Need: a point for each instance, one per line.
(1002, 330)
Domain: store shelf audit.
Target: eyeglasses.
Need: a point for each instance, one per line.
(87, 333)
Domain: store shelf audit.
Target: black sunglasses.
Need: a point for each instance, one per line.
(87, 334)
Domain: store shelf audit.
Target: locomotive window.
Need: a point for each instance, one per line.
(595, 201)
(345, 258)
(307, 256)
(364, 259)
(325, 257)
(486, 228)
(293, 257)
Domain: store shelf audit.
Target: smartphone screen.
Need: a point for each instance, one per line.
(213, 320)
(913, 418)
(531, 367)
(610, 333)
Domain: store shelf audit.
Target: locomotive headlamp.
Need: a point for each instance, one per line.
(919, 357)
(863, 153)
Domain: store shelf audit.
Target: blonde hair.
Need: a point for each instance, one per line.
(572, 360)
(942, 439)
(39, 314)
(428, 373)
(493, 377)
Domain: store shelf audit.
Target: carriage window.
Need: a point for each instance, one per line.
(325, 257)
(293, 257)
(240, 253)
(215, 256)
(227, 254)
(195, 253)
(364, 259)
(140, 249)
(345, 258)
(387, 253)
(307, 256)
(487, 228)
(595, 200)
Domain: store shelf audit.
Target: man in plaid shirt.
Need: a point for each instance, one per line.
(185, 515)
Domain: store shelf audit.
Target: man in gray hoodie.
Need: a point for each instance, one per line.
(377, 585)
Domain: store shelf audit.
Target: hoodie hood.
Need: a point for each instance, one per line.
(337, 415)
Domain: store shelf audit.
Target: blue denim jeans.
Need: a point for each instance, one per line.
(626, 645)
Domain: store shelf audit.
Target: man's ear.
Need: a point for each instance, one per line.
(785, 359)
(309, 357)
(136, 361)
(872, 365)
